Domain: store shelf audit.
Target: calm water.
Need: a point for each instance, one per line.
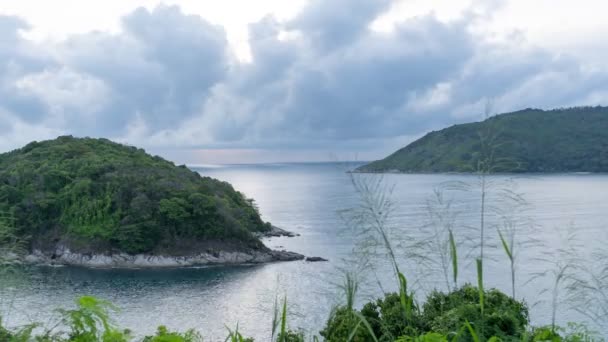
(304, 198)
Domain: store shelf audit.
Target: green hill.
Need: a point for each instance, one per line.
(94, 195)
(533, 140)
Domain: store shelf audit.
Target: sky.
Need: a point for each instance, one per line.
(239, 81)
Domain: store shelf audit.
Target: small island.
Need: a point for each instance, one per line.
(96, 203)
(530, 140)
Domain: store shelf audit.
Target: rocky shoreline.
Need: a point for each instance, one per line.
(64, 256)
(277, 232)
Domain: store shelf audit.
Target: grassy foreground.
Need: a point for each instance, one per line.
(465, 314)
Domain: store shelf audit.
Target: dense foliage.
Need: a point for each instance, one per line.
(503, 317)
(561, 140)
(94, 194)
(442, 313)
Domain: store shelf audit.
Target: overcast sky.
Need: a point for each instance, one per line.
(263, 81)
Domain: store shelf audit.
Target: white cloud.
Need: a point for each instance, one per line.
(16, 132)
(56, 20)
(432, 99)
(64, 90)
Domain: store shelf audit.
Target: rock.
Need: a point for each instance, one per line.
(287, 256)
(276, 232)
(315, 259)
(64, 256)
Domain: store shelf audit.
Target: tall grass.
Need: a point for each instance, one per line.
(501, 210)
(437, 247)
(373, 231)
(590, 289)
(515, 228)
(563, 265)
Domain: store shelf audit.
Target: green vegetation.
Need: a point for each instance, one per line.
(442, 313)
(454, 317)
(560, 140)
(467, 313)
(90, 321)
(464, 313)
(97, 195)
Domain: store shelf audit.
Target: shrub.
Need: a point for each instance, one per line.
(164, 335)
(503, 316)
(90, 322)
(343, 323)
(385, 317)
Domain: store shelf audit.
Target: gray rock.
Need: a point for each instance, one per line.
(64, 256)
(276, 232)
(315, 259)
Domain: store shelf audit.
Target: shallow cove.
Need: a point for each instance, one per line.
(303, 198)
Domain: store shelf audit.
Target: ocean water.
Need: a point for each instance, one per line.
(310, 199)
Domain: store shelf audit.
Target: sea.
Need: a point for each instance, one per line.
(551, 221)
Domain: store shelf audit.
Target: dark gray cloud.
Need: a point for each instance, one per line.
(161, 67)
(18, 58)
(362, 91)
(322, 79)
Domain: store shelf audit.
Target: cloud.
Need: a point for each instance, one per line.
(321, 80)
(330, 25)
(361, 91)
(18, 58)
(9, 27)
(516, 77)
(161, 66)
(65, 92)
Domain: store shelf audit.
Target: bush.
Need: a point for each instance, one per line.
(291, 336)
(573, 332)
(342, 322)
(90, 322)
(443, 314)
(164, 335)
(385, 317)
(503, 317)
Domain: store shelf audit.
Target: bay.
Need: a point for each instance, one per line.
(307, 198)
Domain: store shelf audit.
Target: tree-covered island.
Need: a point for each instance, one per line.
(95, 202)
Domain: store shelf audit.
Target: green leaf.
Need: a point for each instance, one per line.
(472, 331)
(406, 303)
(367, 325)
(480, 284)
(284, 320)
(454, 256)
(505, 245)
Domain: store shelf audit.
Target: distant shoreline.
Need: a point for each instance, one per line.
(530, 173)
